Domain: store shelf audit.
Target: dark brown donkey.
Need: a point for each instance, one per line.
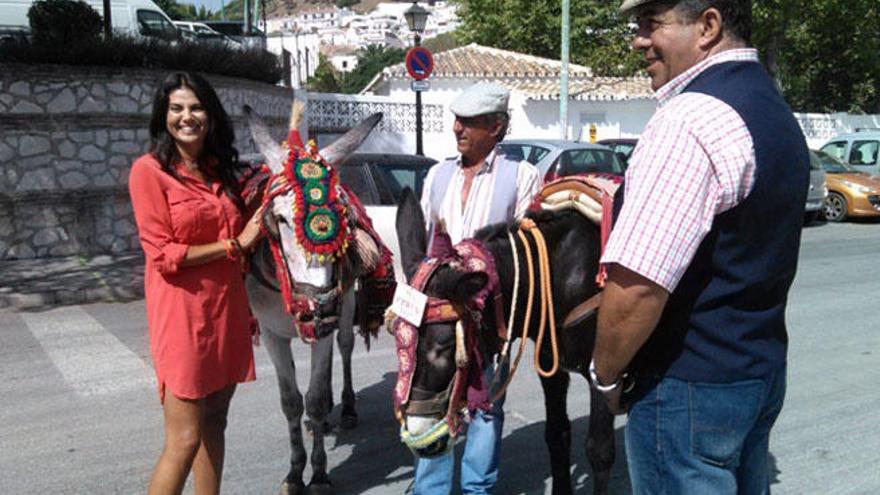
(573, 244)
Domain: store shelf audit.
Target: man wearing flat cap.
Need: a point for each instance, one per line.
(477, 187)
(701, 257)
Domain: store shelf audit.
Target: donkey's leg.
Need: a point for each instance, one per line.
(345, 339)
(319, 400)
(600, 442)
(292, 405)
(557, 430)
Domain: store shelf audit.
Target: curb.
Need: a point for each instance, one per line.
(36, 284)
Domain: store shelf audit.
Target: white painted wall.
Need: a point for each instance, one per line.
(303, 48)
(343, 63)
(819, 128)
(540, 119)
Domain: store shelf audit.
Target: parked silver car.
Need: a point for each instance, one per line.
(556, 158)
(817, 190)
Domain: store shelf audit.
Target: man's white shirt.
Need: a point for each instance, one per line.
(463, 223)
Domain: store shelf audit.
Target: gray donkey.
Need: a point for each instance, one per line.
(301, 275)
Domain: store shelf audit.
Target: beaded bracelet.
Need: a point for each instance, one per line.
(233, 248)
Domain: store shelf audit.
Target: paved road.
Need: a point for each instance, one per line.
(79, 412)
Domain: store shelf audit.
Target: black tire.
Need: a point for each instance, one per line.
(835, 207)
(811, 216)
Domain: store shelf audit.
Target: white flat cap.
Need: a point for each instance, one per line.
(480, 99)
(627, 6)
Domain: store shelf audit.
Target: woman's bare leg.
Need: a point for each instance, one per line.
(183, 419)
(208, 465)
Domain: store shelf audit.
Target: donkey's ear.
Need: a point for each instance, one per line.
(410, 232)
(468, 286)
(458, 287)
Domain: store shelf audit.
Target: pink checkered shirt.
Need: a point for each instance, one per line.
(694, 160)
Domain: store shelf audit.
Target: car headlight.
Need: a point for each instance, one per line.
(859, 188)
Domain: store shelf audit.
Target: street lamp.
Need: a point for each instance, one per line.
(416, 17)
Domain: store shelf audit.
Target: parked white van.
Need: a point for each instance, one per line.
(136, 17)
(861, 149)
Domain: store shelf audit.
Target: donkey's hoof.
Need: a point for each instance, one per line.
(348, 421)
(320, 485)
(292, 489)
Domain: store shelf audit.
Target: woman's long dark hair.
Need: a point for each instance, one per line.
(218, 142)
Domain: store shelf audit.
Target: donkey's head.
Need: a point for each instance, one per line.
(279, 215)
(304, 214)
(430, 356)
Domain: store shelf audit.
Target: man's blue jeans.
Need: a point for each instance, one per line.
(479, 465)
(689, 437)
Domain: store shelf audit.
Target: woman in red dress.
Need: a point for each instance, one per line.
(190, 221)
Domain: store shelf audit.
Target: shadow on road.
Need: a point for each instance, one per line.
(377, 454)
(378, 458)
(525, 465)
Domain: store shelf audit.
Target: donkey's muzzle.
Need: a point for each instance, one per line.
(434, 442)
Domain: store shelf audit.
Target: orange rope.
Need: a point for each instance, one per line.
(528, 314)
(547, 312)
(529, 225)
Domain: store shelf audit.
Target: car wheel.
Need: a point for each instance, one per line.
(835, 207)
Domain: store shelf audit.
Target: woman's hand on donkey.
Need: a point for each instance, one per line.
(252, 231)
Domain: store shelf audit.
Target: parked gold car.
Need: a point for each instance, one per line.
(850, 193)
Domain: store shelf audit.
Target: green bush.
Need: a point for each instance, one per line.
(128, 51)
(60, 22)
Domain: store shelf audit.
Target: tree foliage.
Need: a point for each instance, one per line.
(371, 60)
(183, 11)
(62, 22)
(824, 54)
(600, 39)
(326, 78)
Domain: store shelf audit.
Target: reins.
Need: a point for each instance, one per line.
(573, 199)
(528, 225)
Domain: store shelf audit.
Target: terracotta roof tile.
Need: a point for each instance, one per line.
(537, 77)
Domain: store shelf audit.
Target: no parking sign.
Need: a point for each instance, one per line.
(419, 63)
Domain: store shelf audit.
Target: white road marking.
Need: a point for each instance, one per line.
(91, 359)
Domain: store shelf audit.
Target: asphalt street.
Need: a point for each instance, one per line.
(79, 412)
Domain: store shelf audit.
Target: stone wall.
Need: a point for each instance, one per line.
(68, 136)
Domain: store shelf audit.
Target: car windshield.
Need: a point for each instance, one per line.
(832, 165)
(528, 152)
(585, 161)
(396, 176)
(152, 23)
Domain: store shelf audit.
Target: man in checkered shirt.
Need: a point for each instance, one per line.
(702, 255)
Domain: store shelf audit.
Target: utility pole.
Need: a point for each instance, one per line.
(108, 24)
(246, 28)
(419, 148)
(563, 81)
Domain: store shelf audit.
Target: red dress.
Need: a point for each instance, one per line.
(198, 316)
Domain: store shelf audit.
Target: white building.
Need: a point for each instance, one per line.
(384, 26)
(619, 107)
(299, 51)
(312, 18)
(342, 57)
